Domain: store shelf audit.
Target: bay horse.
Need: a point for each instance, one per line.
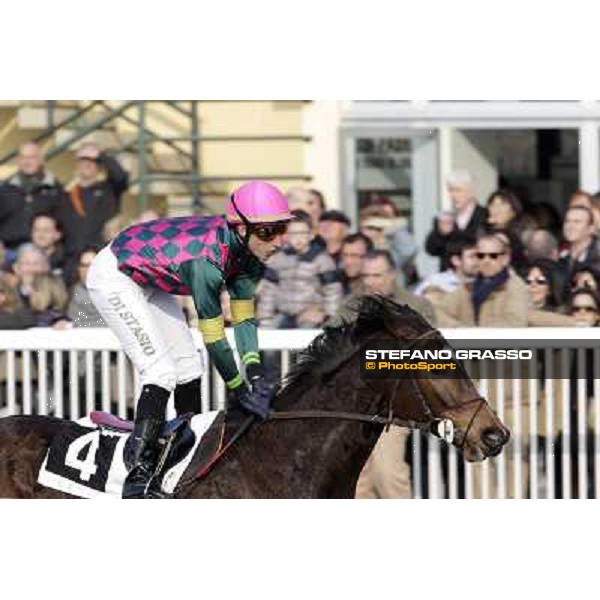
(316, 455)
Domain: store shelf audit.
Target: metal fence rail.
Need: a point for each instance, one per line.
(552, 409)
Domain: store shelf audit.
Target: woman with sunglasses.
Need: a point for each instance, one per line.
(540, 282)
(584, 305)
(544, 307)
(585, 276)
(133, 282)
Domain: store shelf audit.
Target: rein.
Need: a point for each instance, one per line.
(206, 468)
(345, 416)
(388, 420)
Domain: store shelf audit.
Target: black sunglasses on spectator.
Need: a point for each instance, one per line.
(584, 309)
(586, 285)
(538, 280)
(492, 255)
(268, 232)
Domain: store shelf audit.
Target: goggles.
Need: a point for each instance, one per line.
(268, 232)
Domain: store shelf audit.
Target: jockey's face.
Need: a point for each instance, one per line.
(263, 250)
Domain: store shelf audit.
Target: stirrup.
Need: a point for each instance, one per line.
(143, 444)
(138, 482)
(145, 490)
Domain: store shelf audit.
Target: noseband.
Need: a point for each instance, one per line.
(481, 402)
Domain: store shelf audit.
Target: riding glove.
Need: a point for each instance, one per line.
(258, 401)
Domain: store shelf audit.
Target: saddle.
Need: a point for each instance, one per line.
(177, 439)
(109, 421)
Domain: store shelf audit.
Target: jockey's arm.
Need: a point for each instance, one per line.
(242, 292)
(206, 282)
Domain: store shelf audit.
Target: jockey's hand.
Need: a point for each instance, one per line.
(258, 401)
(243, 400)
(234, 401)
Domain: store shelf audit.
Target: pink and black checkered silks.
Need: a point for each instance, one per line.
(152, 252)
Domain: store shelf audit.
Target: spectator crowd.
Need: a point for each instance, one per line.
(500, 264)
(49, 235)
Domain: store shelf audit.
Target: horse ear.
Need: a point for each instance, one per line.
(364, 325)
(371, 316)
(369, 305)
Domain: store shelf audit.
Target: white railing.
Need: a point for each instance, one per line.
(554, 417)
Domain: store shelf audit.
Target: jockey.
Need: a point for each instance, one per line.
(133, 281)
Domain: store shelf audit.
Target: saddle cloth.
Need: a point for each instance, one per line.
(88, 461)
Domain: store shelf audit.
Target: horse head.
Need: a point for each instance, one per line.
(478, 432)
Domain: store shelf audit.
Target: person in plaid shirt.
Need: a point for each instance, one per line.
(133, 282)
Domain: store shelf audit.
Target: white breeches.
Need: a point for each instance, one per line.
(149, 323)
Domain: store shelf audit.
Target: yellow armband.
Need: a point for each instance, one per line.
(242, 310)
(212, 330)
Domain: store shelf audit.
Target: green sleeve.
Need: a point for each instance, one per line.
(246, 337)
(206, 282)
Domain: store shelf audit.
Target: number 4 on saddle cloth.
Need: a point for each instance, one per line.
(87, 461)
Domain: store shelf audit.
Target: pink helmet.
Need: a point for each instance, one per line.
(258, 202)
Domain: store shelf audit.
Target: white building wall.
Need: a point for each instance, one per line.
(589, 157)
(476, 151)
(322, 120)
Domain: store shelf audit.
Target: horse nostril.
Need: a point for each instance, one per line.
(492, 438)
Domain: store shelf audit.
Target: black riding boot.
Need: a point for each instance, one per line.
(145, 457)
(187, 397)
(142, 448)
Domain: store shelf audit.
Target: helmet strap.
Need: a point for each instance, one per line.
(244, 241)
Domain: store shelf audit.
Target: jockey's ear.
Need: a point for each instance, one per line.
(241, 229)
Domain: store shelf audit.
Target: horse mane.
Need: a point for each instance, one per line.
(336, 344)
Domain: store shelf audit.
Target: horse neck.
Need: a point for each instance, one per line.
(329, 452)
(306, 458)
